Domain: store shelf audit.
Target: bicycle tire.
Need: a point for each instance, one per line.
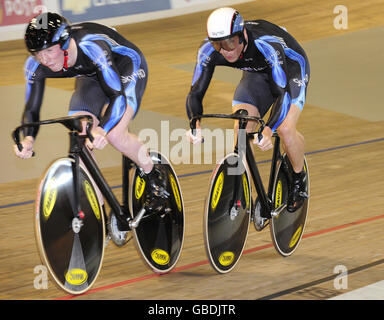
(287, 229)
(227, 214)
(159, 238)
(72, 257)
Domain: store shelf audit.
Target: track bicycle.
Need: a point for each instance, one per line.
(229, 207)
(71, 224)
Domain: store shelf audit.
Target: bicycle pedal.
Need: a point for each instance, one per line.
(260, 223)
(118, 237)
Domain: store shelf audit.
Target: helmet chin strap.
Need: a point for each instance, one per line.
(65, 65)
(242, 40)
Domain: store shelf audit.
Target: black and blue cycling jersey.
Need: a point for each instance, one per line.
(110, 71)
(275, 72)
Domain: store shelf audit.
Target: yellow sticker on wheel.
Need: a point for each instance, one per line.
(226, 258)
(296, 237)
(139, 187)
(278, 194)
(76, 277)
(175, 190)
(91, 196)
(246, 190)
(50, 196)
(160, 256)
(217, 191)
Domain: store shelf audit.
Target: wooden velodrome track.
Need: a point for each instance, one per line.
(345, 156)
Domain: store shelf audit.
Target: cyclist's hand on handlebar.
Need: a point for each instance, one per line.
(194, 135)
(99, 139)
(27, 150)
(194, 138)
(266, 142)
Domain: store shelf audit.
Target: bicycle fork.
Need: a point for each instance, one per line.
(79, 150)
(236, 199)
(77, 221)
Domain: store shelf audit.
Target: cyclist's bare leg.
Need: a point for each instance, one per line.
(293, 141)
(128, 144)
(124, 141)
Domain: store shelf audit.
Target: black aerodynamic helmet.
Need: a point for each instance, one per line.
(46, 30)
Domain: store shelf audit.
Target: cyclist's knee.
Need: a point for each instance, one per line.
(287, 131)
(120, 131)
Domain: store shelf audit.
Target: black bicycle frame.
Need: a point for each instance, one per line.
(242, 116)
(78, 150)
(265, 199)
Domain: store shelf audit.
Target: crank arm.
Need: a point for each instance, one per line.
(277, 211)
(134, 223)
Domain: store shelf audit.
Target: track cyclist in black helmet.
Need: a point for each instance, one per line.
(111, 76)
(275, 76)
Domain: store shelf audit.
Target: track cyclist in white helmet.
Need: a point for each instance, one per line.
(275, 76)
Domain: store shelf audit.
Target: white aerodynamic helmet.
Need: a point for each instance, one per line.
(224, 23)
